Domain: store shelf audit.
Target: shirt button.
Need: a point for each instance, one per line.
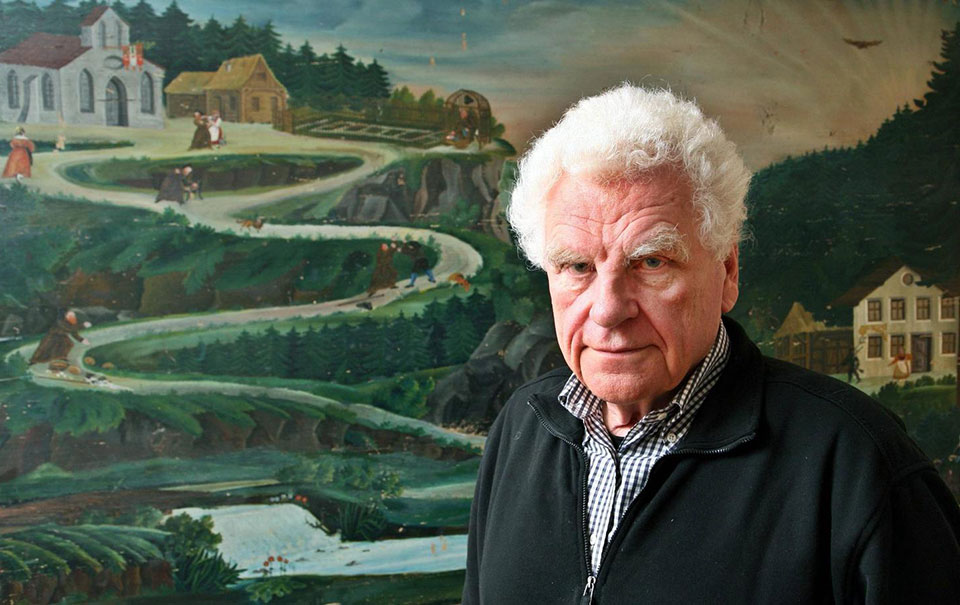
(671, 438)
(594, 539)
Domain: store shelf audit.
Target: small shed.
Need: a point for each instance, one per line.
(185, 94)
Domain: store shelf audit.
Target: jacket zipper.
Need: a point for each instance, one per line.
(587, 596)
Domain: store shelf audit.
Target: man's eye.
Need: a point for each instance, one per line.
(651, 262)
(579, 267)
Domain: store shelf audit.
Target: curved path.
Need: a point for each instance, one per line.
(455, 256)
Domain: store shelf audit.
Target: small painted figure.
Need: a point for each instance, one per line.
(57, 343)
(901, 365)
(384, 273)
(462, 134)
(414, 250)
(215, 127)
(178, 186)
(21, 156)
(853, 367)
(201, 136)
(61, 144)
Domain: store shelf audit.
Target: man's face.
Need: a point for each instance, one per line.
(636, 297)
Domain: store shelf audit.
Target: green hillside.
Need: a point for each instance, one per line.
(818, 222)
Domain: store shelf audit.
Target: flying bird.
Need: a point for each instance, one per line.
(862, 44)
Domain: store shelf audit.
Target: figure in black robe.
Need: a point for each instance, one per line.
(177, 186)
(201, 136)
(57, 344)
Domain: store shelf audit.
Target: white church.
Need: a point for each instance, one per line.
(86, 79)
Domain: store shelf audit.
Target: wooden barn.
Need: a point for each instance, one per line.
(244, 89)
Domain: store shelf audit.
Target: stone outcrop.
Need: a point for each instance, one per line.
(508, 356)
(446, 184)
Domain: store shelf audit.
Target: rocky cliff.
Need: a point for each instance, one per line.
(446, 185)
(508, 356)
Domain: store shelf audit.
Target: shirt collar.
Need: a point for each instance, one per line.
(582, 403)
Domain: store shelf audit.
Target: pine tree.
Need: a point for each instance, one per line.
(20, 20)
(460, 341)
(268, 42)
(294, 358)
(212, 38)
(239, 40)
(120, 8)
(480, 310)
(376, 82)
(343, 77)
(177, 46)
(244, 358)
(303, 82)
(143, 23)
(284, 65)
(59, 18)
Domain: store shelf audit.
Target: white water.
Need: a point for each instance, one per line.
(252, 532)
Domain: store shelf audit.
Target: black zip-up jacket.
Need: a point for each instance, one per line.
(789, 487)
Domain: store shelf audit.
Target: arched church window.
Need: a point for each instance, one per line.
(13, 90)
(46, 90)
(86, 92)
(146, 93)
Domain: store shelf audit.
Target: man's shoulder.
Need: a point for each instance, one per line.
(838, 415)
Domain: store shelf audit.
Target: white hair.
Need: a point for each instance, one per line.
(622, 135)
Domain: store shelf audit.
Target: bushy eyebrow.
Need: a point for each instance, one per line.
(558, 256)
(665, 240)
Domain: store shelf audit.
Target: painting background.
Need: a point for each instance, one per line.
(322, 438)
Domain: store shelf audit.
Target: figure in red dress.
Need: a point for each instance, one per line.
(21, 156)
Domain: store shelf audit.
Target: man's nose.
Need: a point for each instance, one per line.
(613, 300)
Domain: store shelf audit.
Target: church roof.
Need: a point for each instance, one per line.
(94, 15)
(44, 50)
(189, 83)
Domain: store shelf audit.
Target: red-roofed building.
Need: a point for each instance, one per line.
(92, 78)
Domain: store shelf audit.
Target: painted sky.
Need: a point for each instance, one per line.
(776, 73)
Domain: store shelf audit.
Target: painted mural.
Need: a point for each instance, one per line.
(259, 303)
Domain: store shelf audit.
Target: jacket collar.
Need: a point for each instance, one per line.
(730, 414)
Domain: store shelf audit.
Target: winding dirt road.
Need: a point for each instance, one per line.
(455, 256)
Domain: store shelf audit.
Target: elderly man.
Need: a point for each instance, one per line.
(672, 462)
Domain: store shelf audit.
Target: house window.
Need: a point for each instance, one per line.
(898, 309)
(146, 93)
(897, 342)
(874, 347)
(923, 308)
(119, 34)
(948, 308)
(233, 103)
(86, 92)
(13, 90)
(46, 87)
(255, 102)
(948, 343)
(103, 34)
(873, 310)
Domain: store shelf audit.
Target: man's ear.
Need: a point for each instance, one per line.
(731, 287)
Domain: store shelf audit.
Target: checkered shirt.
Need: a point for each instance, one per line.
(616, 475)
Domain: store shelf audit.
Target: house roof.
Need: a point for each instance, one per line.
(44, 50)
(94, 15)
(189, 83)
(235, 72)
(799, 321)
(873, 279)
